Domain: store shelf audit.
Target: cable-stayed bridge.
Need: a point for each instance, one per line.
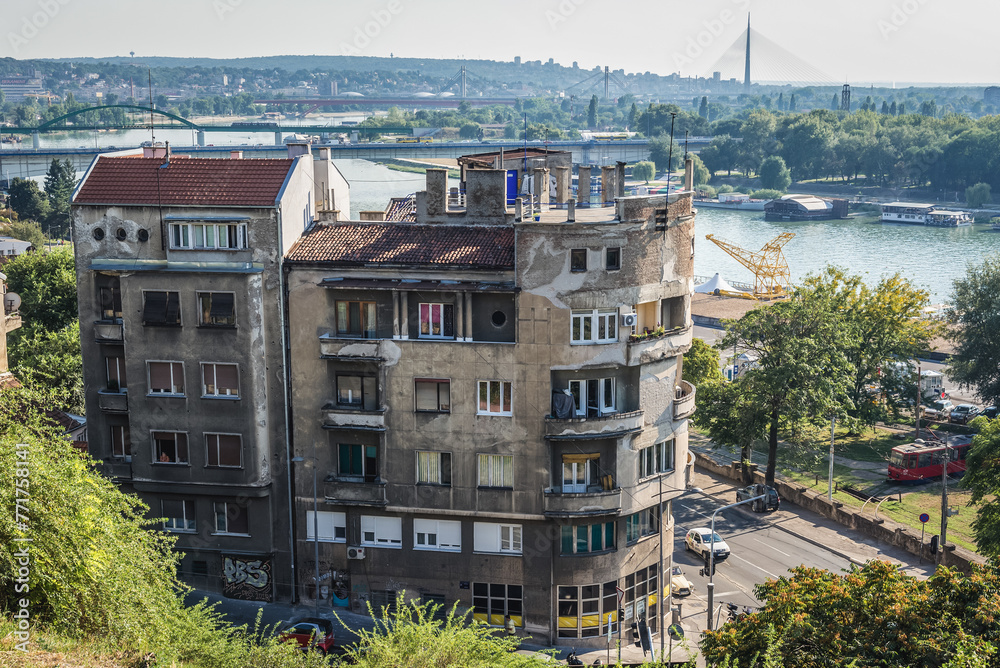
(769, 63)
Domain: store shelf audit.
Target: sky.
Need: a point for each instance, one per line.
(854, 41)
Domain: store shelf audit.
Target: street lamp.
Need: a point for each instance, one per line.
(315, 526)
(660, 598)
(945, 458)
(711, 556)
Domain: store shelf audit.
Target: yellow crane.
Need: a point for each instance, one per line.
(769, 267)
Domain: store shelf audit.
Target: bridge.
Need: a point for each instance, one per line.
(26, 163)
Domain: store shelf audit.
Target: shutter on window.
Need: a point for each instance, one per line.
(159, 376)
(173, 312)
(154, 311)
(226, 377)
(449, 320)
(222, 305)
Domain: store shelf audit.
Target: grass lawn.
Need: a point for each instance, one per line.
(870, 446)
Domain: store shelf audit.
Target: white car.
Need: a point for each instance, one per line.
(679, 585)
(698, 541)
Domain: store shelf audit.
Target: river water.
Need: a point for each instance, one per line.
(932, 257)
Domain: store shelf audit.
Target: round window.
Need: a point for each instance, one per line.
(143, 235)
(499, 318)
(120, 234)
(99, 233)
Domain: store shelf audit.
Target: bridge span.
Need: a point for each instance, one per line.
(25, 163)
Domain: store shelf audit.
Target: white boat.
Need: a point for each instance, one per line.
(923, 214)
(735, 201)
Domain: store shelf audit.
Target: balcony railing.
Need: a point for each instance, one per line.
(684, 400)
(610, 425)
(344, 418)
(108, 332)
(564, 504)
(359, 349)
(349, 493)
(112, 402)
(653, 348)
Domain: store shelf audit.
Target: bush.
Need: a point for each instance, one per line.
(766, 193)
(707, 191)
(979, 195)
(724, 188)
(643, 171)
(774, 174)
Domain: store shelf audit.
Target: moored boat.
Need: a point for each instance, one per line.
(911, 213)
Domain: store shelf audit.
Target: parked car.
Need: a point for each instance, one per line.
(698, 541)
(772, 502)
(938, 410)
(963, 413)
(310, 633)
(679, 584)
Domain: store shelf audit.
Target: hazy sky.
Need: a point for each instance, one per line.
(857, 41)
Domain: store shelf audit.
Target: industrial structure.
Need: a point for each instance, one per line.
(768, 265)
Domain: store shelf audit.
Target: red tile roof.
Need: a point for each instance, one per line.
(483, 246)
(184, 181)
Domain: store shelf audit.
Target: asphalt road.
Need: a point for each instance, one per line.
(759, 551)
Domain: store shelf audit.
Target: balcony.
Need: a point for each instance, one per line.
(605, 426)
(347, 493)
(684, 401)
(12, 321)
(108, 332)
(112, 402)
(361, 350)
(345, 418)
(654, 348)
(563, 504)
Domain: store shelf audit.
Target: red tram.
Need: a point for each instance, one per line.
(921, 462)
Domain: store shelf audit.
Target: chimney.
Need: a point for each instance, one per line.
(324, 153)
(542, 188)
(562, 186)
(620, 178)
(236, 155)
(583, 186)
(295, 150)
(688, 174)
(437, 192)
(607, 185)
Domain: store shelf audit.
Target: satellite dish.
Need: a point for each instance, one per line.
(11, 301)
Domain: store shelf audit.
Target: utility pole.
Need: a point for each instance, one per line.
(945, 458)
(833, 425)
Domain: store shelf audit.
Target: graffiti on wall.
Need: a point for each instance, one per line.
(247, 578)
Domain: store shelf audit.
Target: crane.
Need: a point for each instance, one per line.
(769, 267)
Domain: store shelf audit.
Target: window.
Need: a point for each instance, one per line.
(217, 309)
(111, 301)
(208, 236)
(220, 380)
(640, 597)
(161, 308)
(437, 321)
(491, 603)
(581, 614)
(497, 538)
(613, 259)
(433, 395)
(442, 535)
(643, 523)
(224, 450)
(356, 319)
(178, 515)
(593, 397)
(166, 377)
(586, 538)
(496, 470)
(358, 462)
(494, 397)
(580, 472)
(121, 441)
(356, 392)
(381, 531)
(117, 382)
(657, 458)
(434, 468)
(578, 259)
(596, 326)
(231, 518)
(170, 447)
(332, 526)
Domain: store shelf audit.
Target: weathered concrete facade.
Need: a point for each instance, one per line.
(181, 330)
(480, 479)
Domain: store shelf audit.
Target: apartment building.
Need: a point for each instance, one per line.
(181, 318)
(488, 406)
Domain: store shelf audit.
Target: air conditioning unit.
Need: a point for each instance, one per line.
(629, 319)
(355, 553)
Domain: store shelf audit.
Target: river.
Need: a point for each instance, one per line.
(932, 257)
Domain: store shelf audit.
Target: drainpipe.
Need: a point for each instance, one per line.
(288, 414)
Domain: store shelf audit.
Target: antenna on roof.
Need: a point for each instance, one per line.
(152, 130)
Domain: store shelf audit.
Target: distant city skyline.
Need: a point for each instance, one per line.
(855, 41)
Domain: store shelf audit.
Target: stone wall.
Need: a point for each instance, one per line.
(884, 530)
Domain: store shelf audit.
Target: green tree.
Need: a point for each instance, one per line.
(47, 285)
(643, 171)
(51, 360)
(633, 113)
(701, 364)
(975, 312)
(24, 230)
(766, 193)
(469, 130)
(774, 174)
(59, 183)
(701, 173)
(27, 200)
(592, 113)
(978, 196)
(758, 131)
(982, 477)
(660, 151)
(703, 107)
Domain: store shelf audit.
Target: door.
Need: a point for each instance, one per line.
(575, 477)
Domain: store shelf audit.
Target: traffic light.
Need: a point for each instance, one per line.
(635, 634)
(645, 638)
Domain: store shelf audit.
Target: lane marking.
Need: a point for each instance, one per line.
(733, 556)
(773, 548)
(693, 510)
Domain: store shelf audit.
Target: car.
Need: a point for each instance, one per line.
(939, 409)
(963, 413)
(698, 541)
(772, 502)
(990, 412)
(679, 584)
(310, 633)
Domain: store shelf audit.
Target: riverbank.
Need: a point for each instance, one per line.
(416, 167)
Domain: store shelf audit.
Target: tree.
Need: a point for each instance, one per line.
(24, 230)
(469, 130)
(701, 173)
(975, 314)
(774, 174)
(51, 360)
(27, 200)
(47, 285)
(643, 171)
(791, 103)
(703, 107)
(660, 151)
(983, 479)
(592, 113)
(978, 195)
(633, 113)
(758, 132)
(766, 193)
(59, 183)
(874, 615)
(701, 364)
